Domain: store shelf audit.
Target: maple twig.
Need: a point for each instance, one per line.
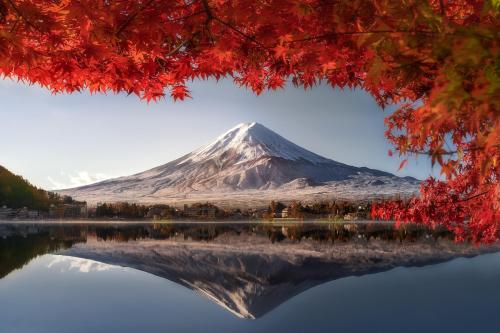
(14, 26)
(187, 16)
(3, 12)
(20, 14)
(208, 10)
(349, 33)
(473, 197)
(420, 62)
(422, 32)
(446, 152)
(441, 6)
(133, 16)
(211, 16)
(241, 33)
(177, 48)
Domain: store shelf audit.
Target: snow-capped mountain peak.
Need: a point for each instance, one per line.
(247, 158)
(250, 141)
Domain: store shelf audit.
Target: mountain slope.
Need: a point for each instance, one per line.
(247, 158)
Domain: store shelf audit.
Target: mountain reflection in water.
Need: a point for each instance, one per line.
(249, 269)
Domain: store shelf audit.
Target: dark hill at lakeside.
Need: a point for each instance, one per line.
(17, 192)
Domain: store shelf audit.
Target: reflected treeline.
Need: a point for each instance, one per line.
(20, 243)
(335, 232)
(331, 232)
(341, 232)
(18, 250)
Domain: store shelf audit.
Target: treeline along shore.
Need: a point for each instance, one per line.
(20, 200)
(69, 209)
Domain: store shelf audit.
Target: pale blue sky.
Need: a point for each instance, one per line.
(67, 140)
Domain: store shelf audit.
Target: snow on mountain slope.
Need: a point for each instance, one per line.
(252, 159)
(250, 141)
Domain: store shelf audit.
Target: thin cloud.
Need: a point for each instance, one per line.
(55, 184)
(80, 178)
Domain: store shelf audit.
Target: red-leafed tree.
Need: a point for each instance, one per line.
(437, 59)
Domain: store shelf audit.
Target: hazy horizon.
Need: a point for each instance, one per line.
(69, 140)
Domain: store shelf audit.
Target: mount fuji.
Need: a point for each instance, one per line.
(249, 163)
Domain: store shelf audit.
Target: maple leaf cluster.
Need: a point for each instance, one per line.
(438, 57)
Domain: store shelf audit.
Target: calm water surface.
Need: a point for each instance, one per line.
(243, 278)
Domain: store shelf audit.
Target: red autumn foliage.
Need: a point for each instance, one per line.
(439, 57)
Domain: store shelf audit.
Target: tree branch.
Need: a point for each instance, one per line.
(422, 32)
(132, 17)
(177, 48)
(241, 33)
(211, 16)
(350, 33)
(208, 10)
(3, 12)
(187, 16)
(473, 197)
(20, 14)
(442, 9)
(446, 152)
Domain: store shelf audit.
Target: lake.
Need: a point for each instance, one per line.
(243, 277)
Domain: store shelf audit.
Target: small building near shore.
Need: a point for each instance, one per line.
(203, 211)
(159, 212)
(6, 212)
(72, 210)
(351, 217)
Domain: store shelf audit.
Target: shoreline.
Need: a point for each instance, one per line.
(173, 222)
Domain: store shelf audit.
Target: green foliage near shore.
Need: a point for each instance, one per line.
(17, 192)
